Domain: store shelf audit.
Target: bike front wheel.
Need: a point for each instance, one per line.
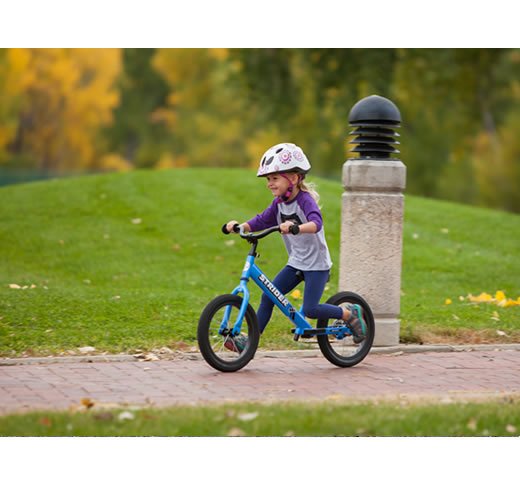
(345, 352)
(220, 348)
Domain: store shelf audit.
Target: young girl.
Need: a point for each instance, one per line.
(295, 202)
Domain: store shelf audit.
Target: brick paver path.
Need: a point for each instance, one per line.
(173, 382)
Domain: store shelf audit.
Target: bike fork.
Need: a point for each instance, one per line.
(237, 327)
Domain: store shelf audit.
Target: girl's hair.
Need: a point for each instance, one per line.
(310, 188)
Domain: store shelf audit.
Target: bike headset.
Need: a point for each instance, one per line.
(283, 159)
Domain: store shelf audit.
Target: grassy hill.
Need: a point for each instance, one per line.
(128, 261)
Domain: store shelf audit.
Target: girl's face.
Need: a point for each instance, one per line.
(278, 185)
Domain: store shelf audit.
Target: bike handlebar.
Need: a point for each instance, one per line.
(294, 229)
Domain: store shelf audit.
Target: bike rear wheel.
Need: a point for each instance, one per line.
(219, 347)
(345, 352)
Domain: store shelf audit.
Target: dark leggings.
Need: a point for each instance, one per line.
(315, 282)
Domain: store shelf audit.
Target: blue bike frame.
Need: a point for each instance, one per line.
(252, 271)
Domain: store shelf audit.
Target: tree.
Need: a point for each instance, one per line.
(136, 133)
(64, 96)
(206, 114)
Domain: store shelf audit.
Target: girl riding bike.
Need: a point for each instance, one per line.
(296, 204)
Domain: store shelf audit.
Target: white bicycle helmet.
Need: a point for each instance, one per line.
(283, 158)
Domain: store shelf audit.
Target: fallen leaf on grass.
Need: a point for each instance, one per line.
(146, 356)
(499, 299)
(86, 349)
(125, 415)
(247, 417)
(472, 424)
(46, 421)
(236, 432)
(334, 397)
(15, 286)
(165, 350)
(87, 403)
(510, 428)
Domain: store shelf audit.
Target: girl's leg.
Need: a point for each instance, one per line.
(285, 281)
(315, 282)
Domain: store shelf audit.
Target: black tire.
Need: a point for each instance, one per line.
(211, 342)
(346, 352)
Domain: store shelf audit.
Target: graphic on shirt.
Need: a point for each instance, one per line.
(292, 217)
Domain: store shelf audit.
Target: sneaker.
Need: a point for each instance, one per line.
(356, 322)
(236, 344)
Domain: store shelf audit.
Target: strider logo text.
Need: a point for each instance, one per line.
(274, 290)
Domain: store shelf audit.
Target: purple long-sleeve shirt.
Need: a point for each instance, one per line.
(307, 252)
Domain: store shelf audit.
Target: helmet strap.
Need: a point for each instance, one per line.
(285, 197)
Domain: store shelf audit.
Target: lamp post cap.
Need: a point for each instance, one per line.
(374, 110)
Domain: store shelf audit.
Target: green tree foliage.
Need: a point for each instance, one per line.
(206, 114)
(449, 100)
(137, 134)
(460, 108)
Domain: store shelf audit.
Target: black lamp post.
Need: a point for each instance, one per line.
(375, 119)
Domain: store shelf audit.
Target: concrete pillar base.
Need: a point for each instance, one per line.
(371, 240)
(387, 332)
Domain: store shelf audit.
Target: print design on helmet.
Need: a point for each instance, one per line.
(297, 155)
(285, 157)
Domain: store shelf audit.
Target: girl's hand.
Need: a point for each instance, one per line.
(284, 226)
(230, 225)
(307, 228)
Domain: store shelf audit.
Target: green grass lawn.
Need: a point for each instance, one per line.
(496, 418)
(128, 261)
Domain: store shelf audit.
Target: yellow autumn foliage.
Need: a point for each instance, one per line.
(114, 163)
(499, 299)
(64, 97)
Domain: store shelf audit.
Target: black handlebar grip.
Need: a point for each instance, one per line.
(294, 229)
(236, 229)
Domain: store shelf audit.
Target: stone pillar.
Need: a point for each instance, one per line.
(371, 239)
(372, 215)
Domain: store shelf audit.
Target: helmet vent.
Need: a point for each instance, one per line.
(278, 150)
(269, 161)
